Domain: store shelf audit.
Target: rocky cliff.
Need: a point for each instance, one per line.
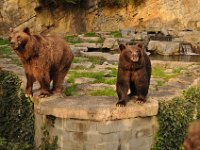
(90, 16)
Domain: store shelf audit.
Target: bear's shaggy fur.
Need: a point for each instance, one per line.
(192, 141)
(134, 72)
(45, 59)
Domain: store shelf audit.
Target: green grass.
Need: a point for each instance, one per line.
(71, 90)
(103, 92)
(110, 81)
(90, 34)
(73, 39)
(4, 42)
(98, 76)
(116, 34)
(177, 70)
(160, 83)
(113, 72)
(6, 52)
(159, 73)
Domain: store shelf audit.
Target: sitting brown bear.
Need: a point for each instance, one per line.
(134, 72)
(45, 59)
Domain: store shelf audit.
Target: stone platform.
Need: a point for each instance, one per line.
(95, 123)
(96, 108)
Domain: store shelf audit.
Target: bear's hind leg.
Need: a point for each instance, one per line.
(58, 81)
(44, 86)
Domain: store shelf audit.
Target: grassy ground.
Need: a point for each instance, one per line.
(6, 52)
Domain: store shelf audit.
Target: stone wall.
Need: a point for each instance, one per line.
(150, 14)
(40, 18)
(95, 123)
(89, 16)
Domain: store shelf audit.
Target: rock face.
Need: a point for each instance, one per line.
(164, 47)
(90, 16)
(40, 17)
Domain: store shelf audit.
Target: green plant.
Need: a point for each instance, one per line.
(16, 113)
(174, 117)
(47, 143)
(103, 92)
(5, 145)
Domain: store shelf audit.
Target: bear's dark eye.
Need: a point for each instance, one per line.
(19, 37)
(129, 52)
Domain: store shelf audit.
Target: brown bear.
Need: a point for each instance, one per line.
(45, 59)
(134, 72)
(192, 141)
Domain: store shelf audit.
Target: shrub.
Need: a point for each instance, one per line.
(16, 114)
(174, 117)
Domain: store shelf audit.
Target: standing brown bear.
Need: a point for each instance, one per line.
(45, 59)
(134, 72)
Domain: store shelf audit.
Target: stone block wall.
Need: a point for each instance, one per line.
(126, 134)
(112, 132)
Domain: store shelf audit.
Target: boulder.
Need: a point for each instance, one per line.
(164, 47)
(110, 43)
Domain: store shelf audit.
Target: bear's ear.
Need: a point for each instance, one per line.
(27, 30)
(140, 45)
(122, 47)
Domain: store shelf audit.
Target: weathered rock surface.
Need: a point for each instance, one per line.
(97, 108)
(164, 47)
(92, 17)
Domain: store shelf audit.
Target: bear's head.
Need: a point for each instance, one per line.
(19, 39)
(132, 53)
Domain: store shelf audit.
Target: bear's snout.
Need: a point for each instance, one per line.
(14, 45)
(135, 57)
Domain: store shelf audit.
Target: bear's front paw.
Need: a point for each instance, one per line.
(140, 100)
(121, 103)
(43, 95)
(28, 95)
